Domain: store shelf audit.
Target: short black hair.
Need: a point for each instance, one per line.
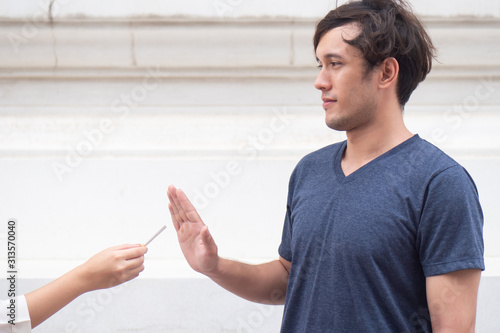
(389, 28)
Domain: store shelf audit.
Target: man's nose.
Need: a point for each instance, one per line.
(322, 81)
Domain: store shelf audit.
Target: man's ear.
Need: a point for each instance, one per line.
(389, 72)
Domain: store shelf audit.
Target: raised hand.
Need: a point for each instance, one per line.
(195, 240)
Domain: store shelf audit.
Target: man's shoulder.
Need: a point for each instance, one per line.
(430, 163)
(431, 158)
(317, 162)
(322, 154)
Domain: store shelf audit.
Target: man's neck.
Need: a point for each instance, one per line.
(365, 145)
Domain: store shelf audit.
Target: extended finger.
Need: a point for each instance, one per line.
(176, 223)
(177, 205)
(170, 194)
(188, 208)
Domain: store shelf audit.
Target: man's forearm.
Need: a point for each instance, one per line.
(264, 283)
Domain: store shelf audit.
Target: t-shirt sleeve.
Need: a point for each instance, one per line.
(450, 233)
(285, 249)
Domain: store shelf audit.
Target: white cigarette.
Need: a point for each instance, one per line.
(155, 235)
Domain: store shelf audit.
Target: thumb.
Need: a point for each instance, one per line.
(207, 240)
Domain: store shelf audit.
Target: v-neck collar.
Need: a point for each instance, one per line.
(339, 173)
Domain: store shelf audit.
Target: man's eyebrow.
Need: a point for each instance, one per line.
(330, 56)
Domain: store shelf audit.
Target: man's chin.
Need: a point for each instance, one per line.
(336, 125)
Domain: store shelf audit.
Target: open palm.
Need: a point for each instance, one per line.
(195, 240)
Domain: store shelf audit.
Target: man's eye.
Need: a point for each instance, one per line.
(320, 66)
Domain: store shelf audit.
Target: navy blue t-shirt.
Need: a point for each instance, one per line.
(362, 246)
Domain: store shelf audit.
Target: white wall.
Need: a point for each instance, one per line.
(103, 105)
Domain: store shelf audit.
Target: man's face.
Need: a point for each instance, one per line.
(348, 92)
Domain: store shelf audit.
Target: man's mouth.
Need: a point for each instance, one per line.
(327, 102)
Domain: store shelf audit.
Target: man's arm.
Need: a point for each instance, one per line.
(265, 283)
(452, 300)
(106, 269)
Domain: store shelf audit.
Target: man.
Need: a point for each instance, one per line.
(383, 232)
